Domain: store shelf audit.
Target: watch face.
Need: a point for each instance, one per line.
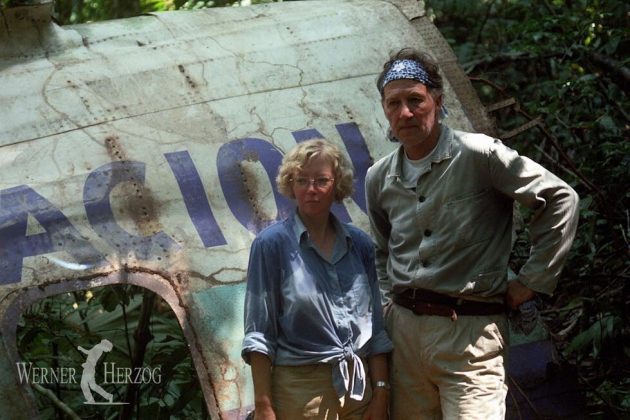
(381, 384)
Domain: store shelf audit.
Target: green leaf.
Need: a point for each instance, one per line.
(594, 335)
(608, 123)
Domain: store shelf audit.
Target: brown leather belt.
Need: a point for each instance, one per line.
(426, 302)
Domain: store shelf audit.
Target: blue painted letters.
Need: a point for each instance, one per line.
(195, 198)
(234, 180)
(60, 235)
(238, 181)
(98, 186)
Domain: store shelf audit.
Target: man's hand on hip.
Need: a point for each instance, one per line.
(517, 293)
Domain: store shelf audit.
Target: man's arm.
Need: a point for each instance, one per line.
(517, 293)
(552, 227)
(380, 230)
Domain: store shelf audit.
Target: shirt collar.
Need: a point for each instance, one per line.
(300, 232)
(442, 151)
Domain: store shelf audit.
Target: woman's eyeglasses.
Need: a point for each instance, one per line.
(321, 182)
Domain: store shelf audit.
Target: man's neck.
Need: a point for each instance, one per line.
(424, 148)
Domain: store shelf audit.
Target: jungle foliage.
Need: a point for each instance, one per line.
(564, 65)
(82, 11)
(161, 382)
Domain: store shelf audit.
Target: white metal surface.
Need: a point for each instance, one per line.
(148, 145)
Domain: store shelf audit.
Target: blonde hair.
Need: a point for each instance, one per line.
(300, 156)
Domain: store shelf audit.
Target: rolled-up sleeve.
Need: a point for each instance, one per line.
(261, 302)
(554, 223)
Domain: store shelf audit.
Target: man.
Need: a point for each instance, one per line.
(440, 209)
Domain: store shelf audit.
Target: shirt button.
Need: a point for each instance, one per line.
(421, 198)
(427, 232)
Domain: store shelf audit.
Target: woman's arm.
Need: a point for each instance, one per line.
(379, 405)
(261, 374)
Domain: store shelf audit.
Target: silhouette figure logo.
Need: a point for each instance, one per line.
(88, 380)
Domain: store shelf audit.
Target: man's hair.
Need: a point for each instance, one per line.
(425, 60)
(299, 156)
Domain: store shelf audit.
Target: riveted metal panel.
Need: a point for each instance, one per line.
(144, 151)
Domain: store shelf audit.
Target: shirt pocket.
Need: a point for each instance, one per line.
(469, 218)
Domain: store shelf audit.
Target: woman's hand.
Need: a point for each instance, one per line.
(264, 412)
(378, 408)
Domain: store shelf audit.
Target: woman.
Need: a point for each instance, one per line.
(312, 308)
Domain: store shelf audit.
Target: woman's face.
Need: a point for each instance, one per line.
(314, 188)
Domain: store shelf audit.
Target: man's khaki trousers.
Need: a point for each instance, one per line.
(447, 369)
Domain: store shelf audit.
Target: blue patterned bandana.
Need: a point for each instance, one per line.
(407, 69)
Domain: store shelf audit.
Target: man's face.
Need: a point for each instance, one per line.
(412, 113)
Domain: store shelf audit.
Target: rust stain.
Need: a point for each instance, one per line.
(114, 149)
(348, 111)
(189, 79)
(253, 190)
(136, 199)
(188, 324)
(251, 156)
(211, 279)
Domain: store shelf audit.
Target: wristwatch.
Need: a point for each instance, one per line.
(381, 384)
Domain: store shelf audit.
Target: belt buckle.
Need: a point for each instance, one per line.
(458, 304)
(453, 315)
